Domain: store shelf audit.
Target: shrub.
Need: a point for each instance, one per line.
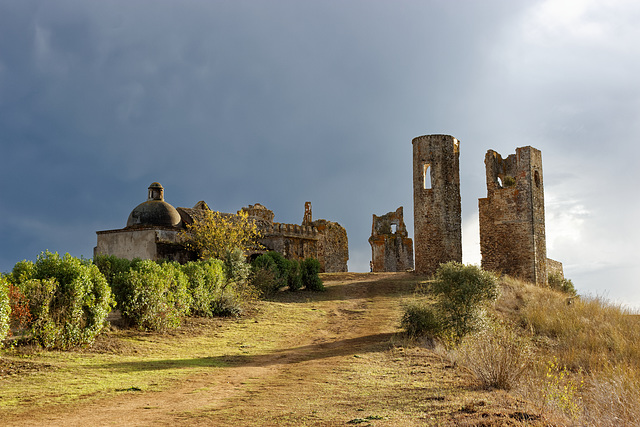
(267, 275)
(236, 268)
(206, 285)
(263, 279)
(461, 291)
(420, 320)
(496, 356)
(310, 268)
(153, 296)
(69, 299)
(5, 308)
(559, 283)
(294, 278)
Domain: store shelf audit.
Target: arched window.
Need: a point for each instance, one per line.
(427, 176)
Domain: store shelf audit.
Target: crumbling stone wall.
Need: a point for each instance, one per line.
(512, 225)
(391, 248)
(324, 240)
(554, 267)
(436, 202)
(333, 246)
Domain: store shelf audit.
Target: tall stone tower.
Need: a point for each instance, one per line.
(512, 231)
(436, 201)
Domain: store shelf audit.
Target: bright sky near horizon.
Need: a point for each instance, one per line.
(279, 102)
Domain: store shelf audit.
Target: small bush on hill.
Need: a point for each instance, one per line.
(153, 296)
(68, 299)
(420, 319)
(559, 283)
(5, 308)
(207, 288)
(294, 278)
(236, 267)
(265, 275)
(461, 291)
(310, 270)
(454, 305)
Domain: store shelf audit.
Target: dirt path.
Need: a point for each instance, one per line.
(344, 369)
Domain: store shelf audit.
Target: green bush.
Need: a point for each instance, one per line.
(206, 285)
(294, 278)
(559, 283)
(68, 298)
(460, 291)
(236, 267)
(420, 319)
(264, 281)
(459, 294)
(5, 308)
(266, 275)
(310, 270)
(153, 296)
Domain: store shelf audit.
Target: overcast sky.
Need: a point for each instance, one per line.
(281, 102)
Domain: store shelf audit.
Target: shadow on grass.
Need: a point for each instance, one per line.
(358, 285)
(346, 347)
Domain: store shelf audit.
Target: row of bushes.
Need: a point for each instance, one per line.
(273, 272)
(61, 302)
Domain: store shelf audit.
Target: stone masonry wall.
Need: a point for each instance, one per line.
(512, 224)
(333, 246)
(391, 251)
(436, 201)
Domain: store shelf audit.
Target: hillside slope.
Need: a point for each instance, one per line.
(332, 358)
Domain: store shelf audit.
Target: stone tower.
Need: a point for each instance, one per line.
(391, 247)
(436, 202)
(512, 232)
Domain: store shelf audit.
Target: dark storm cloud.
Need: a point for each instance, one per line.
(280, 102)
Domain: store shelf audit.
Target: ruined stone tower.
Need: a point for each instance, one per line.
(391, 247)
(512, 233)
(436, 201)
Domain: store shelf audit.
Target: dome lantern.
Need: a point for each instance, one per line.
(155, 211)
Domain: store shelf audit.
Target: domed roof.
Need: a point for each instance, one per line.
(155, 211)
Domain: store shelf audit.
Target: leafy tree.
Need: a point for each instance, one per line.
(217, 234)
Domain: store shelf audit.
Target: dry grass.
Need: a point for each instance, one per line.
(585, 365)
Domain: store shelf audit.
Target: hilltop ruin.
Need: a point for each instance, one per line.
(153, 232)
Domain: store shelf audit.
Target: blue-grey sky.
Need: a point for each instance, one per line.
(285, 101)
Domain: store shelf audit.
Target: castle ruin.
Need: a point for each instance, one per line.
(391, 247)
(153, 231)
(512, 224)
(436, 202)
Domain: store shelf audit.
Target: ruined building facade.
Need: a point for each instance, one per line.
(153, 231)
(436, 202)
(512, 223)
(391, 247)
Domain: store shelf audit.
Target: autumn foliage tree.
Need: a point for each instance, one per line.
(215, 234)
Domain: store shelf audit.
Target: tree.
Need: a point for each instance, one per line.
(216, 234)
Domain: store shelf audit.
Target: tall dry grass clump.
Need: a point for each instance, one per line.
(585, 363)
(496, 356)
